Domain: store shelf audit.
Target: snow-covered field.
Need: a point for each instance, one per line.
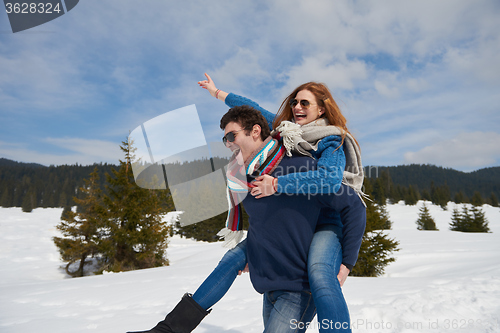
(442, 281)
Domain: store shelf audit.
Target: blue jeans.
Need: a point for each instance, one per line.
(325, 257)
(287, 311)
(323, 264)
(222, 277)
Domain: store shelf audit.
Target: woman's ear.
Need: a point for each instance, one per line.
(321, 111)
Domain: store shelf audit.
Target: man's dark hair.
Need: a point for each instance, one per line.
(247, 117)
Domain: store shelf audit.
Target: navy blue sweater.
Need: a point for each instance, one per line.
(282, 227)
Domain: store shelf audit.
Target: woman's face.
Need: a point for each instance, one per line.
(305, 109)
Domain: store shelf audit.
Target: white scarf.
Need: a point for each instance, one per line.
(302, 139)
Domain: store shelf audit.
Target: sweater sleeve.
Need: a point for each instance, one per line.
(348, 204)
(327, 178)
(236, 100)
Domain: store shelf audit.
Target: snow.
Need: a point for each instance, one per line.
(442, 281)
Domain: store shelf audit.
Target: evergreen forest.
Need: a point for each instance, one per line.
(31, 185)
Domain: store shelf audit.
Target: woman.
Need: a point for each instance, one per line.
(333, 251)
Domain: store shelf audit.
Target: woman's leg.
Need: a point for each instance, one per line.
(193, 308)
(324, 260)
(222, 277)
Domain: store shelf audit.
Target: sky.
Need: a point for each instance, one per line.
(418, 81)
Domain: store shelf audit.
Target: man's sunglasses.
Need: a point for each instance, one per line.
(303, 102)
(230, 136)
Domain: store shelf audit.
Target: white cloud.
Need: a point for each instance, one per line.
(241, 69)
(466, 151)
(336, 74)
(384, 90)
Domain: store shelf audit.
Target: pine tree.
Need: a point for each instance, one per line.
(456, 220)
(376, 247)
(379, 192)
(82, 230)
(29, 201)
(396, 194)
(469, 221)
(425, 195)
(477, 199)
(460, 197)
(137, 235)
(493, 200)
(425, 220)
(5, 200)
(440, 195)
(411, 197)
(479, 222)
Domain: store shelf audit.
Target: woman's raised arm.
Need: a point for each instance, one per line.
(210, 86)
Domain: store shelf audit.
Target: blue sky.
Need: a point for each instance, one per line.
(418, 81)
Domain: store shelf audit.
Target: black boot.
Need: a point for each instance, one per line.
(184, 318)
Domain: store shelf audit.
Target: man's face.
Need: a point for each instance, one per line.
(242, 140)
(234, 133)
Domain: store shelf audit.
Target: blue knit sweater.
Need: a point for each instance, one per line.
(325, 178)
(330, 159)
(282, 226)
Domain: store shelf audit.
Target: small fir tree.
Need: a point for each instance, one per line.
(82, 230)
(5, 200)
(376, 246)
(460, 197)
(479, 221)
(29, 201)
(425, 220)
(425, 195)
(137, 235)
(493, 200)
(477, 199)
(440, 195)
(379, 192)
(473, 220)
(411, 197)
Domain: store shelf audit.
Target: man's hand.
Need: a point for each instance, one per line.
(343, 273)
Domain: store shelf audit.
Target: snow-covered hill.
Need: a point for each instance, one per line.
(442, 281)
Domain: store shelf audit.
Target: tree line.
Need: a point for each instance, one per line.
(436, 184)
(30, 185)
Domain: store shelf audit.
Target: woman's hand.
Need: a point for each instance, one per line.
(245, 270)
(210, 86)
(265, 186)
(343, 273)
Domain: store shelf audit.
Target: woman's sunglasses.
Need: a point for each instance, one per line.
(229, 137)
(303, 102)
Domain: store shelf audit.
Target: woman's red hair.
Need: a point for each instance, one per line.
(324, 99)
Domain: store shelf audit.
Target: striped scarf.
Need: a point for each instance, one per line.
(263, 161)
